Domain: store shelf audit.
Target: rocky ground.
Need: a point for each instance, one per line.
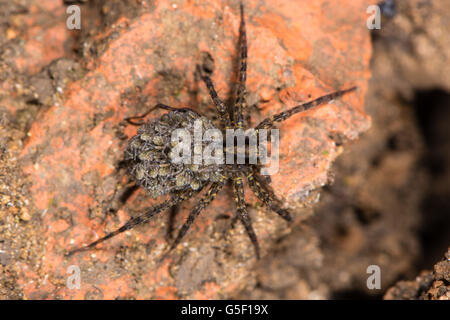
(64, 95)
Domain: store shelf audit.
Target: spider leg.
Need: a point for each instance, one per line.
(131, 120)
(243, 213)
(220, 105)
(240, 105)
(203, 203)
(269, 122)
(238, 122)
(120, 196)
(265, 193)
(133, 222)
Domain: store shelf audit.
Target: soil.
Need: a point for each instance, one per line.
(429, 285)
(64, 95)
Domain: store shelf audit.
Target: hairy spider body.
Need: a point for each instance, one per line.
(148, 156)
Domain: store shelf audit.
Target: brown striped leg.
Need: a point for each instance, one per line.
(131, 120)
(220, 105)
(203, 203)
(243, 215)
(265, 193)
(133, 222)
(269, 122)
(240, 105)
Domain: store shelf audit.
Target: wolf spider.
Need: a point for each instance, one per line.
(148, 160)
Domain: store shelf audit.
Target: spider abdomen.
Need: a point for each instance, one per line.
(152, 154)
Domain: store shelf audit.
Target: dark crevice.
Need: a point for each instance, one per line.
(433, 116)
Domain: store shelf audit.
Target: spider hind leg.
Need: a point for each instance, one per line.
(238, 188)
(133, 222)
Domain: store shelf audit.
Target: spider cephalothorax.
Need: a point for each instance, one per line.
(148, 156)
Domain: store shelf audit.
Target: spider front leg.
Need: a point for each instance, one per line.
(264, 193)
(131, 120)
(133, 222)
(203, 203)
(238, 189)
(240, 105)
(279, 117)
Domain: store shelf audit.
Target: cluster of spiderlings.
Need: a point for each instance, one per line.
(148, 155)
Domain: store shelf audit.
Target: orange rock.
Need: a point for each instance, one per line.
(43, 33)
